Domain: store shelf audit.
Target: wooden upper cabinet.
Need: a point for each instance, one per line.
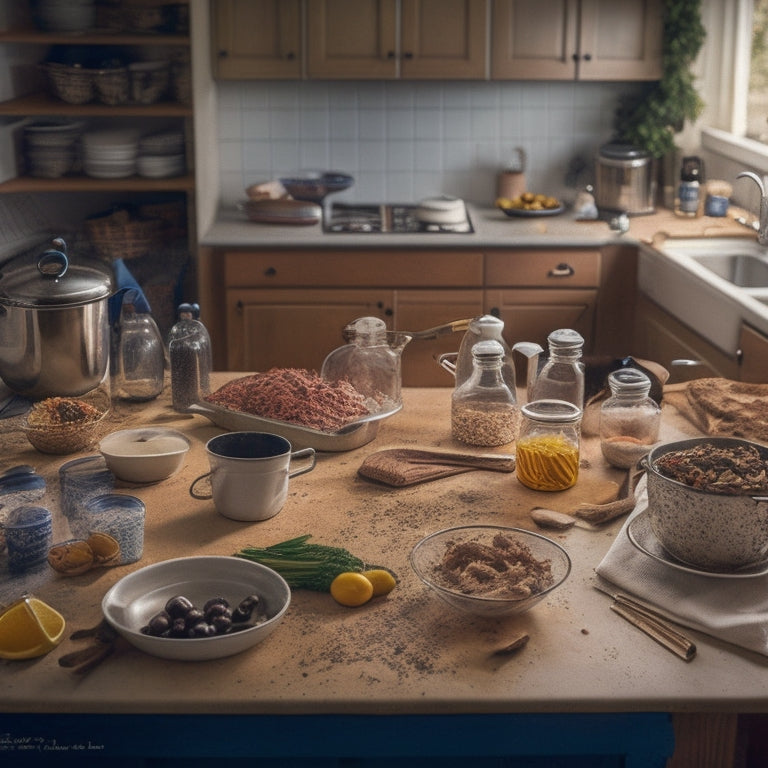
(256, 39)
(443, 39)
(576, 39)
(352, 39)
(362, 39)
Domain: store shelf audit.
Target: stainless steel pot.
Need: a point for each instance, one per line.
(625, 179)
(54, 326)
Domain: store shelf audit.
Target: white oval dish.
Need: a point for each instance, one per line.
(136, 598)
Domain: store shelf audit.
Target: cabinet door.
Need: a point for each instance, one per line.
(256, 39)
(418, 310)
(352, 39)
(754, 355)
(294, 328)
(620, 40)
(443, 39)
(534, 40)
(664, 339)
(532, 314)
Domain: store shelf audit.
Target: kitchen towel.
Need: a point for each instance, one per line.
(731, 609)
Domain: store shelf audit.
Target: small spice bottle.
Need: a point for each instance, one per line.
(547, 449)
(484, 409)
(562, 377)
(189, 350)
(629, 418)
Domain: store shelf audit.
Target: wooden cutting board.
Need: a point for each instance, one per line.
(401, 467)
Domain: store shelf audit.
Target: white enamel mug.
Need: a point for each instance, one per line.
(249, 474)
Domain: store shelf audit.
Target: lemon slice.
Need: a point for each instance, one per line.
(28, 628)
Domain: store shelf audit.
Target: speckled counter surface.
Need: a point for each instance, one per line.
(493, 229)
(403, 654)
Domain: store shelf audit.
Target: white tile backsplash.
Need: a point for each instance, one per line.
(404, 140)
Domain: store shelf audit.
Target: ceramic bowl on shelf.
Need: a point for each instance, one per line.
(145, 455)
(130, 604)
(489, 570)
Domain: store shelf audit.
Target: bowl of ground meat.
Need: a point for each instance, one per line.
(489, 570)
(708, 501)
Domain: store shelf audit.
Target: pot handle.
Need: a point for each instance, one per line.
(54, 263)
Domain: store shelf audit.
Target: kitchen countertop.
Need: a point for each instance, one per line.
(406, 653)
(492, 229)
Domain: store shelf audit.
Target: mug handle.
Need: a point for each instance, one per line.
(307, 453)
(194, 493)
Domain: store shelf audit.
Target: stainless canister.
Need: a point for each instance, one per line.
(625, 179)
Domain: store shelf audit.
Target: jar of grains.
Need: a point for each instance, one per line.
(629, 418)
(484, 408)
(547, 449)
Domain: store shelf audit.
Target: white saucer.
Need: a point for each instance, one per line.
(640, 534)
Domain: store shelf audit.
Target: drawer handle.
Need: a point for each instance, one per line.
(270, 272)
(562, 270)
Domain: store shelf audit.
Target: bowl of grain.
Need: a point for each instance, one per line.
(62, 425)
(490, 570)
(708, 501)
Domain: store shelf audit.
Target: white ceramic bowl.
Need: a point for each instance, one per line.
(145, 455)
(136, 598)
(427, 557)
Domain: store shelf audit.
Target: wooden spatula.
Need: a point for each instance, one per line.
(408, 466)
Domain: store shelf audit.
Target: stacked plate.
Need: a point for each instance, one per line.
(161, 155)
(52, 147)
(110, 154)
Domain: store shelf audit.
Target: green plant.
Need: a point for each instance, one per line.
(651, 119)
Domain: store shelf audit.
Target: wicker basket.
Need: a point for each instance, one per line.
(122, 236)
(112, 85)
(71, 84)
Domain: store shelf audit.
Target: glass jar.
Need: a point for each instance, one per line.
(484, 409)
(141, 357)
(189, 350)
(562, 377)
(547, 450)
(629, 418)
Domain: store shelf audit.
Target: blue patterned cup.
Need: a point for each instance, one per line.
(80, 481)
(121, 517)
(28, 537)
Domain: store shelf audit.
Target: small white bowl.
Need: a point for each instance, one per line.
(145, 455)
(136, 598)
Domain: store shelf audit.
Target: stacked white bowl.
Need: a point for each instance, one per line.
(110, 154)
(51, 147)
(161, 155)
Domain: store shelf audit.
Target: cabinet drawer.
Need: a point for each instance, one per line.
(545, 268)
(350, 269)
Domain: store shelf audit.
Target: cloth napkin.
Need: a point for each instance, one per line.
(732, 609)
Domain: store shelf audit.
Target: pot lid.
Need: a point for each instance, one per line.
(53, 282)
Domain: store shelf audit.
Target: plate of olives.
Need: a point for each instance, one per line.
(197, 608)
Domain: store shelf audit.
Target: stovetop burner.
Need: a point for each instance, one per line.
(389, 218)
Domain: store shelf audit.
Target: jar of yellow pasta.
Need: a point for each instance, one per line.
(547, 450)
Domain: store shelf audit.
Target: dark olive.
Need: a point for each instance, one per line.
(178, 628)
(194, 616)
(178, 606)
(201, 629)
(159, 623)
(217, 609)
(215, 601)
(245, 609)
(222, 624)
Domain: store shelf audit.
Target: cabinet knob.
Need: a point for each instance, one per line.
(390, 54)
(587, 57)
(408, 55)
(291, 55)
(223, 54)
(562, 270)
(270, 272)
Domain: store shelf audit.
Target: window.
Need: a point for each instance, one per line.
(757, 96)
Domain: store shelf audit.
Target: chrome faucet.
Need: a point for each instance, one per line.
(762, 232)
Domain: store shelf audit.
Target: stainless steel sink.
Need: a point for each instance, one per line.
(744, 270)
(713, 285)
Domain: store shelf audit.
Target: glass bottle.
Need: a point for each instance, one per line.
(485, 327)
(547, 450)
(484, 408)
(141, 356)
(189, 350)
(562, 377)
(629, 418)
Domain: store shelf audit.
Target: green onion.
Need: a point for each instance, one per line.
(303, 565)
